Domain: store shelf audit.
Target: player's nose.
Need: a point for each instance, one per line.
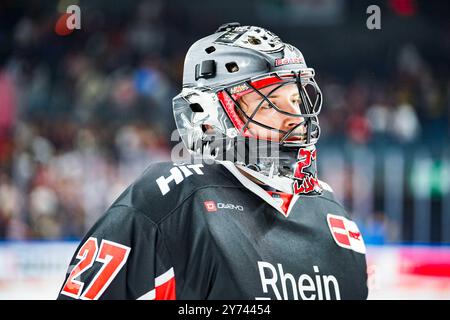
(294, 122)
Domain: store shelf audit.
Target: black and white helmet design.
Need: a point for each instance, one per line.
(234, 61)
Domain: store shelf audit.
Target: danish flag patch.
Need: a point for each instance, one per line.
(346, 233)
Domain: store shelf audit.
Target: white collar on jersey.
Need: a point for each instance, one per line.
(256, 189)
(283, 184)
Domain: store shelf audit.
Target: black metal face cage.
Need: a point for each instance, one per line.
(308, 110)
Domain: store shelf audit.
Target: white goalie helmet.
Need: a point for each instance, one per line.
(222, 68)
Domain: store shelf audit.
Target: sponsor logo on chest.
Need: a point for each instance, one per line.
(303, 286)
(212, 206)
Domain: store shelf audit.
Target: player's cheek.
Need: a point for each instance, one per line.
(271, 118)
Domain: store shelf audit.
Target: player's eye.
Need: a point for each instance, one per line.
(297, 101)
(265, 105)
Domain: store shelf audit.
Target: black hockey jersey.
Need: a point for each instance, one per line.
(198, 231)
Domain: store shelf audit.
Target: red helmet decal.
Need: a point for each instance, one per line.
(305, 173)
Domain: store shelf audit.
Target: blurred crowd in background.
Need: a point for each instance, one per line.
(82, 116)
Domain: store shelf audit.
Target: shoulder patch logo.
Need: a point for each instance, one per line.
(346, 233)
(177, 175)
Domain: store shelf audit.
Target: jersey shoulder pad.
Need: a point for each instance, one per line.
(164, 186)
(328, 193)
(325, 186)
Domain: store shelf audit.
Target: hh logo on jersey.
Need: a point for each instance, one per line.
(177, 174)
(346, 233)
